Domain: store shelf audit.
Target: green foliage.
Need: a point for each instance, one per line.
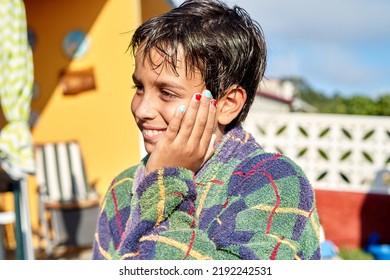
(384, 105)
(338, 104)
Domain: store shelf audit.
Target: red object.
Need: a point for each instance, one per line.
(348, 218)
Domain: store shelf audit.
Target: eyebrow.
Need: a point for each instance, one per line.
(159, 83)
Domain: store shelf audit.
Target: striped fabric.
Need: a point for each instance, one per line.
(243, 203)
(61, 173)
(16, 79)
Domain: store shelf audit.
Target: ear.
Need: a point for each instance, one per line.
(231, 104)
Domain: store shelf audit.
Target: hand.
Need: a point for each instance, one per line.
(189, 140)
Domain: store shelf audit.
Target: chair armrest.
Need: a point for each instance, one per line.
(71, 204)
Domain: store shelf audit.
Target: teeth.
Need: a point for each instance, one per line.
(151, 132)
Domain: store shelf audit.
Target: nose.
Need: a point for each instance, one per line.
(142, 107)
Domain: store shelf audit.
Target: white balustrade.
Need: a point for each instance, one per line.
(337, 152)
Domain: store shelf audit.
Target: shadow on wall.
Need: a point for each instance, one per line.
(375, 213)
(49, 22)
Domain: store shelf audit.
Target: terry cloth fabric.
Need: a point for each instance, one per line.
(243, 203)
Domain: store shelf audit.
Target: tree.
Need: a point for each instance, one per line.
(337, 103)
(384, 105)
(361, 105)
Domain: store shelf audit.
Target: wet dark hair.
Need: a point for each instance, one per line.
(223, 43)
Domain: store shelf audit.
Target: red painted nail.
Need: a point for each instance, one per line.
(198, 96)
(214, 102)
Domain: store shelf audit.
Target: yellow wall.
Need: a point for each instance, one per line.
(99, 119)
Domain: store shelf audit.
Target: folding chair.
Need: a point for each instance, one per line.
(68, 203)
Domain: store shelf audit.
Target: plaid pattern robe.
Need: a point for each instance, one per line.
(243, 203)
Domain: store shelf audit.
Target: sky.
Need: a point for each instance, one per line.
(338, 46)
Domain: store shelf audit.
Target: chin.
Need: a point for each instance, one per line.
(149, 147)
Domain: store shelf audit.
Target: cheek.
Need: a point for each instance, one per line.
(168, 112)
(171, 108)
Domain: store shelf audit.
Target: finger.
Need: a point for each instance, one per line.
(174, 125)
(189, 119)
(210, 125)
(201, 118)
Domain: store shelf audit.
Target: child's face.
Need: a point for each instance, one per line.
(159, 92)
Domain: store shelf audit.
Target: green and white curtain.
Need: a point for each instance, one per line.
(16, 80)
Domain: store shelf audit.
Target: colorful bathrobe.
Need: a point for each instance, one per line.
(243, 203)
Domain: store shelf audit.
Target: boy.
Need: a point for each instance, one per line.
(206, 189)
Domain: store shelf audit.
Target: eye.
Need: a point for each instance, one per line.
(167, 95)
(139, 89)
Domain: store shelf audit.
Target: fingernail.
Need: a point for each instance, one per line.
(198, 96)
(213, 102)
(182, 108)
(207, 93)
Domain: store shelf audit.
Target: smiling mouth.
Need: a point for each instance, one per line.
(152, 134)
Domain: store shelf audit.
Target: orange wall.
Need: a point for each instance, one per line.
(99, 119)
(151, 8)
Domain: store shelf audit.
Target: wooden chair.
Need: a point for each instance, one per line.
(68, 202)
